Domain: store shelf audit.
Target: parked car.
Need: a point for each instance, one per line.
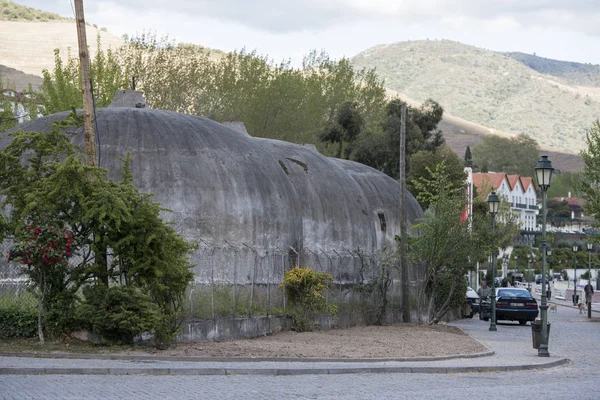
(473, 300)
(538, 279)
(512, 304)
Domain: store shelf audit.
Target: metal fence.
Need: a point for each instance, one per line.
(237, 280)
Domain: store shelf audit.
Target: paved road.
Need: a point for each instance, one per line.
(572, 335)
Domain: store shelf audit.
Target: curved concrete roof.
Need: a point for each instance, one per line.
(223, 185)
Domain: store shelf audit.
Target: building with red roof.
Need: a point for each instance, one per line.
(518, 191)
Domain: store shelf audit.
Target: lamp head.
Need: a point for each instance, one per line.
(543, 171)
(493, 203)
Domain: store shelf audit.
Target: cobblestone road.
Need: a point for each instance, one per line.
(572, 336)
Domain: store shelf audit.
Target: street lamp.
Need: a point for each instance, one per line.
(590, 246)
(575, 274)
(493, 204)
(549, 253)
(543, 171)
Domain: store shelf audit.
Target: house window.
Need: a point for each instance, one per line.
(382, 222)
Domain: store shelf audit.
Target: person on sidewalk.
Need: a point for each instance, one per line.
(484, 291)
(589, 293)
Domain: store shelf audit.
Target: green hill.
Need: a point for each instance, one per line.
(11, 11)
(488, 88)
(573, 72)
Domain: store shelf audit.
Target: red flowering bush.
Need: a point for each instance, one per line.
(43, 246)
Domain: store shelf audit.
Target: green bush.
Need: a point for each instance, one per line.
(119, 313)
(18, 321)
(305, 289)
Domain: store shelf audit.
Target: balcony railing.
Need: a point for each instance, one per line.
(533, 207)
(519, 205)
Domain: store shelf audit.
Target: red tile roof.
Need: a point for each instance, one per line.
(495, 179)
(512, 180)
(573, 201)
(526, 181)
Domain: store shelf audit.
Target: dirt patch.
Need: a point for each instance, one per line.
(402, 340)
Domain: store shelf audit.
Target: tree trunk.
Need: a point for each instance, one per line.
(445, 307)
(41, 308)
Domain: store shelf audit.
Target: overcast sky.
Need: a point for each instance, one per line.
(288, 29)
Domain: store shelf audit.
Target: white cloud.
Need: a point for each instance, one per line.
(287, 29)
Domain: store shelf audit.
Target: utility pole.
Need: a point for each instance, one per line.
(84, 65)
(403, 237)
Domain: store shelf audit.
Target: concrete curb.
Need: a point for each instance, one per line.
(276, 371)
(137, 357)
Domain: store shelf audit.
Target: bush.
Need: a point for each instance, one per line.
(119, 313)
(305, 289)
(18, 321)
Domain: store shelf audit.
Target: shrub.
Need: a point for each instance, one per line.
(119, 313)
(18, 321)
(305, 289)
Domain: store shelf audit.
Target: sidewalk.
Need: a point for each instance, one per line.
(506, 353)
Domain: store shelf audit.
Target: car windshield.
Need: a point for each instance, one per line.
(514, 293)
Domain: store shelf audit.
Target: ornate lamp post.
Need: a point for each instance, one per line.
(543, 171)
(590, 246)
(575, 274)
(493, 204)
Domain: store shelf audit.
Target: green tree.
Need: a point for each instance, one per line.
(590, 182)
(563, 183)
(517, 155)
(344, 130)
(381, 150)
(424, 163)
(54, 184)
(468, 158)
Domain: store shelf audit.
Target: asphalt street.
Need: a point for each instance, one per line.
(572, 336)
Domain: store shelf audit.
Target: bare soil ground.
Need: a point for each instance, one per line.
(401, 340)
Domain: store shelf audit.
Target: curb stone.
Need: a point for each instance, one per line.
(277, 371)
(134, 357)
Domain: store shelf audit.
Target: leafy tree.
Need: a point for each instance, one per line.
(558, 208)
(443, 246)
(381, 150)
(425, 163)
(590, 182)
(517, 155)
(345, 129)
(563, 183)
(45, 179)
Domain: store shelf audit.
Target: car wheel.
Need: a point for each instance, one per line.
(521, 322)
(470, 316)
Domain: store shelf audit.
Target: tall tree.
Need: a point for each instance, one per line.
(590, 182)
(425, 163)
(380, 150)
(517, 155)
(344, 130)
(468, 158)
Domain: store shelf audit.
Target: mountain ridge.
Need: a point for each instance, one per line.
(487, 88)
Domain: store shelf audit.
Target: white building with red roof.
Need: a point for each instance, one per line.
(518, 191)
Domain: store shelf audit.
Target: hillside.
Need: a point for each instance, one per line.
(488, 88)
(573, 72)
(29, 47)
(11, 11)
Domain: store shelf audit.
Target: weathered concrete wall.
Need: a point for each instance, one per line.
(232, 329)
(230, 192)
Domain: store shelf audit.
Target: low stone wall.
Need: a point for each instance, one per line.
(231, 329)
(245, 328)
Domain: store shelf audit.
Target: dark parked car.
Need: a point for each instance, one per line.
(512, 304)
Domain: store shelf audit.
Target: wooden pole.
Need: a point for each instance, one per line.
(403, 237)
(84, 63)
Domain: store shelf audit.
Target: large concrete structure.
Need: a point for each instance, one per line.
(230, 192)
